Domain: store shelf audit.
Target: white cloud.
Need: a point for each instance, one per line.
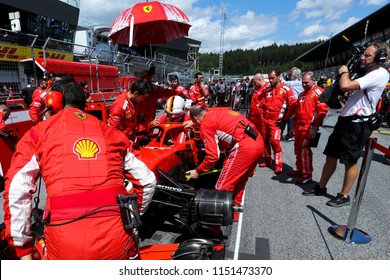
(338, 27)
(318, 38)
(325, 30)
(312, 29)
(328, 9)
(373, 2)
(91, 11)
(255, 25)
(246, 31)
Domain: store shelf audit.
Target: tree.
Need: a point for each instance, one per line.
(248, 62)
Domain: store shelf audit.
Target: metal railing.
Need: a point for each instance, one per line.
(349, 233)
(16, 46)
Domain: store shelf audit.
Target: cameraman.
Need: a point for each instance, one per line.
(351, 132)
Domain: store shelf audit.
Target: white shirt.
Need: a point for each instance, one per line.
(374, 83)
(296, 86)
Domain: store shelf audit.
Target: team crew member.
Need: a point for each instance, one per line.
(37, 107)
(55, 80)
(180, 90)
(123, 112)
(278, 107)
(351, 131)
(198, 91)
(4, 114)
(256, 106)
(83, 162)
(309, 115)
(84, 86)
(225, 129)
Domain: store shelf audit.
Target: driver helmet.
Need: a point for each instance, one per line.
(175, 106)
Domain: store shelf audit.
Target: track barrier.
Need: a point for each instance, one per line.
(349, 233)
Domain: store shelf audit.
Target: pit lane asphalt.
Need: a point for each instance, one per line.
(279, 223)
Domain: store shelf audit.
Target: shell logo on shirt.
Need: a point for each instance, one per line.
(86, 149)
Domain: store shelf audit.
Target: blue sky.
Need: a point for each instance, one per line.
(250, 24)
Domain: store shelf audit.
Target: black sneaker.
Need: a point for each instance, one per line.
(316, 191)
(288, 138)
(339, 201)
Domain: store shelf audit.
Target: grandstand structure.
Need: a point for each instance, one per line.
(24, 27)
(373, 28)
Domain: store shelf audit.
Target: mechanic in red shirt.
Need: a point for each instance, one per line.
(225, 129)
(309, 115)
(199, 91)
(278, 107)
(256, 106)
(83, 163)
(37, 107)
(175, 85)
(4, 114)
(123, 113)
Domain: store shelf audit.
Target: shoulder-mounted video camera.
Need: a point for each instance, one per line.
(332, 95)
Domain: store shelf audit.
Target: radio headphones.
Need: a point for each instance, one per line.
(380, 56)
(54, 101)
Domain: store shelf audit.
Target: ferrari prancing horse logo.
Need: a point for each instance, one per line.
(80, 115)
(147, 9)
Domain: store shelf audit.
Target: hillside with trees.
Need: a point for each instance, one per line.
(248, 62)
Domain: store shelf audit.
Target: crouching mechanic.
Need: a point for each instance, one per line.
(83, 162)
(227, 129)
